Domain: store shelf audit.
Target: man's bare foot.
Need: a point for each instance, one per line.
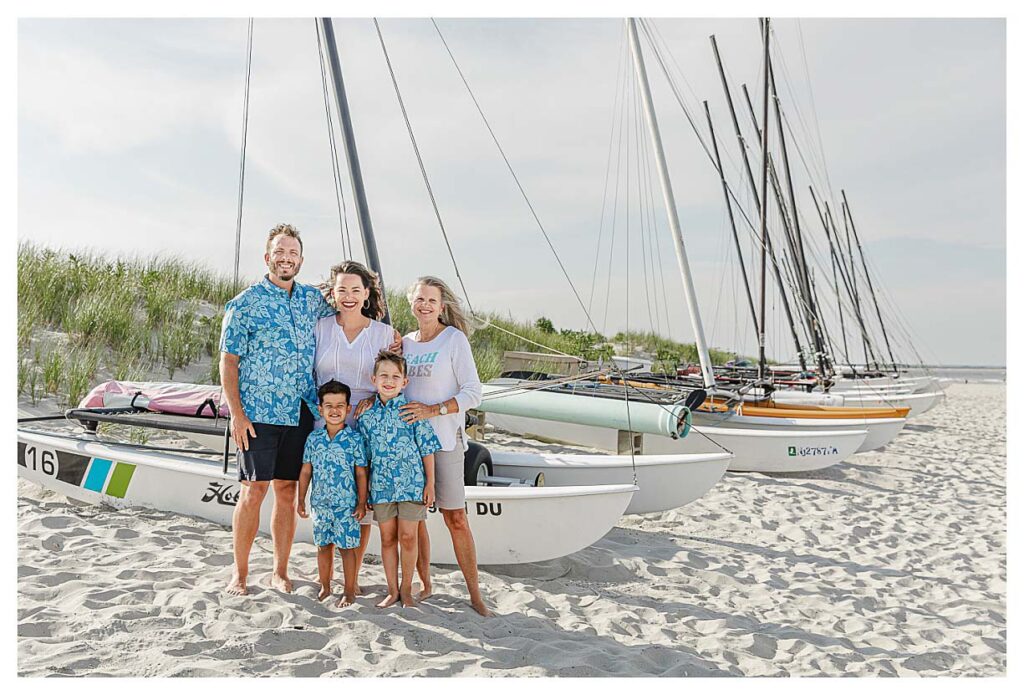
(281, 583)
(325, 591)
(236, 587)
(407, 600)
(423, 592)
(479, 607)
(346, 601)
(389, 600)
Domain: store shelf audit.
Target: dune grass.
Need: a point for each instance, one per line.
(124, 314)
(125, 317)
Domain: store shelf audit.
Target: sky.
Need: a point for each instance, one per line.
(130, 131)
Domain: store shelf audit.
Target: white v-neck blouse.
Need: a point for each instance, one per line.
(349, 363)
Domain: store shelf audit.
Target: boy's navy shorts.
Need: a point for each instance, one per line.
(276, 451)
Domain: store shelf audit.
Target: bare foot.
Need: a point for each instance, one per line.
(281, 583)
(407, 600)
(325, 591)
(236, 587)
(359, 590)
(479, 607)
(389, 600)
(346, 601)
(422, 593)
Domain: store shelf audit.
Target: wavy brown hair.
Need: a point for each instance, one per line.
(452, 313)
(374, 307)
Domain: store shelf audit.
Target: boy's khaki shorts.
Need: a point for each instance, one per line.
(406, 511)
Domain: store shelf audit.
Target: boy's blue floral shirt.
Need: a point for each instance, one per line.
(396, 451)
(272, 332)
(334, 464)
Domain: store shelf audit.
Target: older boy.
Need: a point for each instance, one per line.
(401, 473)
(335, 459)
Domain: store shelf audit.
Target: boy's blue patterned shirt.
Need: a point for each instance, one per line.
(396, 450)
(334, 464)
(272, 332)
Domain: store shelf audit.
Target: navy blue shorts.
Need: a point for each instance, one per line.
(276, 451)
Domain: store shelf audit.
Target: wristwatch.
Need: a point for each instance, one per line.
(442, 409)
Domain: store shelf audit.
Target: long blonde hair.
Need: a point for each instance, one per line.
(452, 313)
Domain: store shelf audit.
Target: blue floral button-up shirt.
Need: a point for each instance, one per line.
(396, 450)
(334, 464)
(272, 332)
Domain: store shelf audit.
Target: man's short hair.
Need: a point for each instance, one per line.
(334, 386)
(392, 357)
(283, 230)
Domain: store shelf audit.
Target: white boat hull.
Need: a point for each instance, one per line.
(510, 525)
(776, 450)
(665, 482)
(918, 403)
(880, 431)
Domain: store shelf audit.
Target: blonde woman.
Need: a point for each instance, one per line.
(443, 386)
(348, 343)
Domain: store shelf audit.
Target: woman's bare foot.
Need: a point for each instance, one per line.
(479, 607)
(236, 587)
(359, 590)
(325, 591)
(407, 600)
(346, 601)
(281, 583)
(389, 600)
(423, 592)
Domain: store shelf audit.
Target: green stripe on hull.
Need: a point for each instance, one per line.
(119, 479)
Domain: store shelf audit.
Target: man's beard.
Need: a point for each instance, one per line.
(287, 274)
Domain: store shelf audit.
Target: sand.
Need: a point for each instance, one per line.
(893, 563)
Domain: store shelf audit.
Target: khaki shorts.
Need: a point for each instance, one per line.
(406, 511)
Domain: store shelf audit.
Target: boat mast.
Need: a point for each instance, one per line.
(757, 204)
(795, 281)
(352, 155)
(670, 206)
(871, 288)
(732, 219)
(814, 322)
(764, 207)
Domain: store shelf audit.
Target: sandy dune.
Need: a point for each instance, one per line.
(891, 564)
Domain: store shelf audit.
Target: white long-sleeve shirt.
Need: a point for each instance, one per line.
(440, 369)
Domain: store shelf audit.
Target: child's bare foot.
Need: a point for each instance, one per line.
(282, 583)
(236, 587)
(422, 593)
(389, 600)
(479, 607)
(407, 600)
(346, 601)
(325, 591)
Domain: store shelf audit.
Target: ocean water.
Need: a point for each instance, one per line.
(985, 375)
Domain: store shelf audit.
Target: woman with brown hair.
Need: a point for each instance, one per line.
(348, 343)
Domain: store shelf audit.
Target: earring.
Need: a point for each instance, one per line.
(366, 303)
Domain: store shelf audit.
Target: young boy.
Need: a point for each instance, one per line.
(335, 458)
(401, 473)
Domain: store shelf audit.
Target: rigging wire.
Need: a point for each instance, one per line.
(419, 161)
(515, 177)
(339, 189)
(241, 163)
(608, 167)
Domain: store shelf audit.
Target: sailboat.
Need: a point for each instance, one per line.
(771, 439)
(511, 524)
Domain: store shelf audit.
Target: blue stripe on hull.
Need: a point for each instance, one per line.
(97, 475)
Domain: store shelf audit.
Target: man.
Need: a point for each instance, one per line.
(266, 369)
